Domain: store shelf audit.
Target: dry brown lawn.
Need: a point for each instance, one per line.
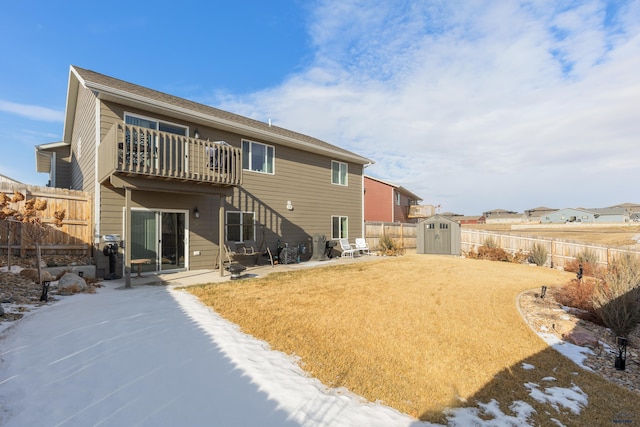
(419, 333)
(614, 235)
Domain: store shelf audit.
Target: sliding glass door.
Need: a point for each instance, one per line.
(159, 236)
(172, 241)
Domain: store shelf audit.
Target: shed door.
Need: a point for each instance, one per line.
(438, 238)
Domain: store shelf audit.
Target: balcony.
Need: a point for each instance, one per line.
(142, 152)
(421, 211)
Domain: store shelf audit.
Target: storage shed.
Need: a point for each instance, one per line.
(438, 235)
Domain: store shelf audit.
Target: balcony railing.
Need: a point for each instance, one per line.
(421, 211)
(135, 150)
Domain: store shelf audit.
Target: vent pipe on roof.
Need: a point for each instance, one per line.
(269, 121)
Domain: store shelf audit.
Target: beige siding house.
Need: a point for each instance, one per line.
(174, 178)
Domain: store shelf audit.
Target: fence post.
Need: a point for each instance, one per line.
(22, 241)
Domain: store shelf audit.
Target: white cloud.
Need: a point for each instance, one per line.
(33, 112)
(474, 105)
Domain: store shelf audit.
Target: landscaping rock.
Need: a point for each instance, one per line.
(71, 283)
(582, 337)
(32, 274)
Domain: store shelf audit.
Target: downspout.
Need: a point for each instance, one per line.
(96, 184)
(364, 226)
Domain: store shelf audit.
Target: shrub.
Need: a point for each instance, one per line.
(577, 294)
(587, 256)
(538, 254)
(389, 247)
(616, 299)
(490, 242)
(588, 269)
(519, 257)
(493, 254)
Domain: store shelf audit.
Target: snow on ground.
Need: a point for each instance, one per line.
(155, 356)
(574, 352)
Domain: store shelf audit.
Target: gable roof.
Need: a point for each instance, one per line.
(397, 187)
(608, 211)
(496, 212)
(116, 90)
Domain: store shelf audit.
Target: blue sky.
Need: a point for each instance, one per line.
(473, 105)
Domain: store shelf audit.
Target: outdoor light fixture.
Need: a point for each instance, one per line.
(621, 357)
(196, 134)
(289, 205)
(196, 212)
(45, 291)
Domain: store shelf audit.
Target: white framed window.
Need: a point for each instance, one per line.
(397, 198)
(151, 123)
(257, 157)
(240, 226)
(339, 172)
(339, 227)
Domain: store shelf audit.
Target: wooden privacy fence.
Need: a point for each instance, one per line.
(403, 234)
(558, 251)
(73, 238)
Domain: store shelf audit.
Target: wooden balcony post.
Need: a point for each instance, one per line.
(221, 234)
(127, 238)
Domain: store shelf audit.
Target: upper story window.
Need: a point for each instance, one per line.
(339, 173)
(397, 198)
(150, 123)
(257, 157)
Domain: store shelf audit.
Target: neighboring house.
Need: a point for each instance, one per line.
(55, 158)
(495, 212)
(4, 178)
(535, 215)
(630, 208)
(579, 215)
(502, 216)
(469, 219)
(175, 178)
(464, 219)
(386, 202)
(450, 215)
(610, 214)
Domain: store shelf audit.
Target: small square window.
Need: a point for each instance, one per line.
(240, 226)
